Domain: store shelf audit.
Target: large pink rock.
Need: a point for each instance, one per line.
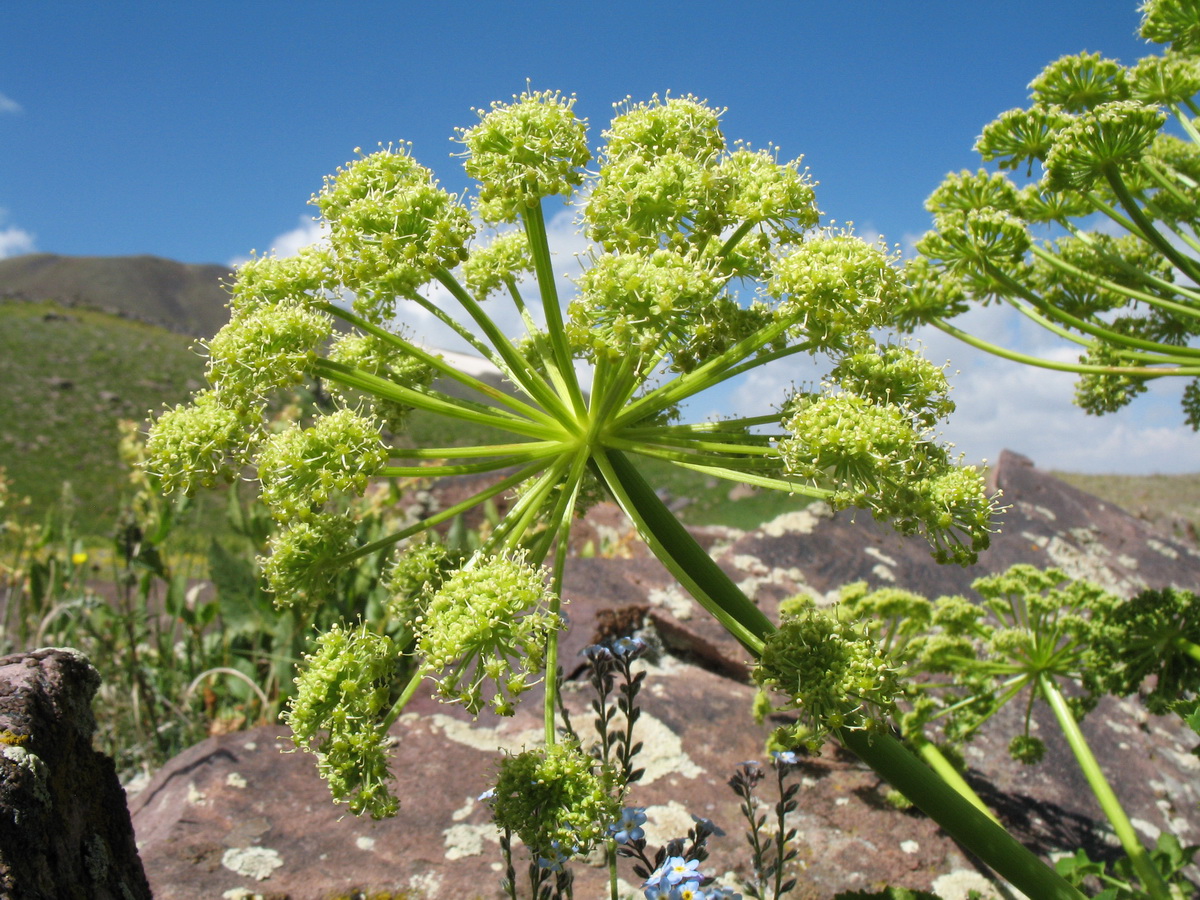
(235, 818)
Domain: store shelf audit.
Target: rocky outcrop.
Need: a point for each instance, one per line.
(235, 818)
(65, 830)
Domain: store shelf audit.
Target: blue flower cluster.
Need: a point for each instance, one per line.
(680, 879)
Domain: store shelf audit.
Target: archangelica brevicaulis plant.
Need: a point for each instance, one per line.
(707, 262)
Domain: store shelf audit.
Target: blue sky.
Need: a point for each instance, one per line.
(198, 131)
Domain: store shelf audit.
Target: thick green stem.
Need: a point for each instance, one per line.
(678, 551)
(936, 760)
(1152, 881)
(978, 833)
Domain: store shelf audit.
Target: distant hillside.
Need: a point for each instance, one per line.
(69, 375)
(182, 297)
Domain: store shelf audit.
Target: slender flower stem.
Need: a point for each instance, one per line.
(1152, 881)
(539, 245)
(1146, 228)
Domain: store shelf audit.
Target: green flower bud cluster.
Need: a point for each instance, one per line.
(830, 672)
(523, 151)
(342, 691)
(869, 434)
(558, 800)
(302, 469)
(667, 180)
(834, 287)
(1097, 130)
(390, 226)
(194, 445)
(494, 267)
(488, 622)
(300, 563)
(626, 301)
(1157, 632)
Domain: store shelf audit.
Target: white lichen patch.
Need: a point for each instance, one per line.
(195, 796)
(909, 846)
(1037, 540)
(31, 763)
(760, 574)
(240, 894)
(883, 573)
(427, 884)
(801, 521)
(666, 821)
(876, 553)
(1034, 511)
(465, 810)
(1159, 547)
(252, 862)
(362, 842)
(235, 780)
(1087, 561)
(480, 737)
(673, 600)
(662, 752)
(957, 885)
(464, 840)
(1149, 829)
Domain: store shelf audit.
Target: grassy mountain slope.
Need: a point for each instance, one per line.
(183, 297)
(69, 375)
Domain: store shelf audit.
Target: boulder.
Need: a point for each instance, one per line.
(235, 818)
(65, 830)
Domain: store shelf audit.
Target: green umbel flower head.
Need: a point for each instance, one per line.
(198, 444)
(487, 623)
(558, 800)
(342, 691)
(390, 226)
(830, 672)
(301, 469)
(523, 151)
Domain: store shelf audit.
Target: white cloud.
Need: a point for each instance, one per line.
(1009, 405)
(309, 231)
(14, 241)
(9, 105)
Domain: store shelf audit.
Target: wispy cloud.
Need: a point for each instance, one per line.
(9, 105)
